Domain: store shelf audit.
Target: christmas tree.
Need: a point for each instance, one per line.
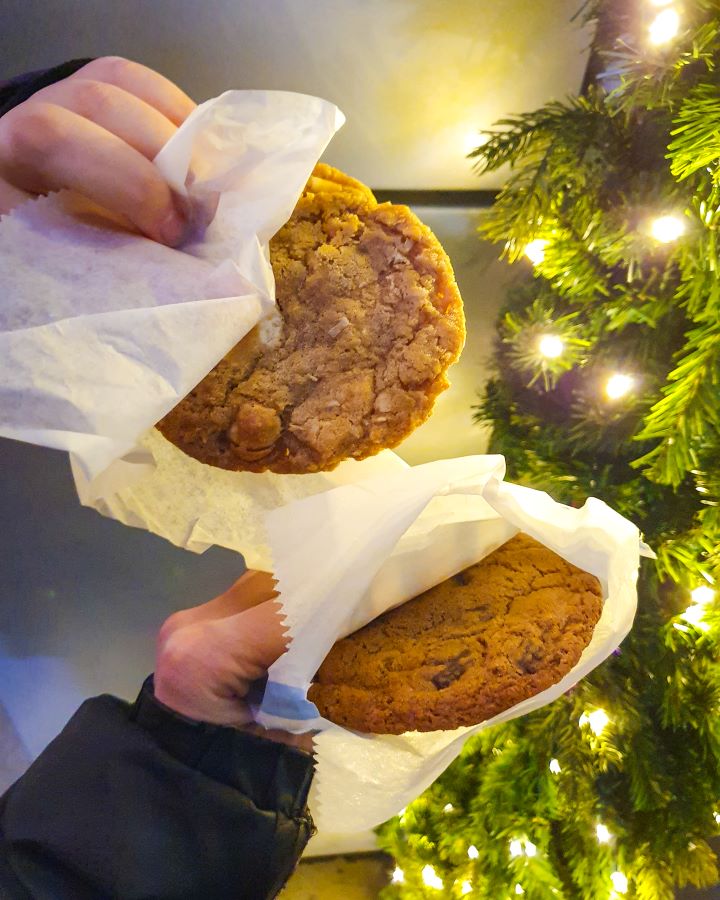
(607, 384)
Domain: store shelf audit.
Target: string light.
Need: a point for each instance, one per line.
(555, 767)
(448, 808)
(716, 816)
(530, 848)
(475, 139)
(431, 878)
(619, 882)
(664, 26)
(535, 250)
(618, 385)
(603, 834)
(465, 887)
(667, 228)
(473, 852)
(551, 346)
(597, 720)
(398, 876)
(519, 889)
(516, 848)
(703, 594)
(694, 616)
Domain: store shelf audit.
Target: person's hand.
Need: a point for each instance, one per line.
(208, 656)
(96, 133)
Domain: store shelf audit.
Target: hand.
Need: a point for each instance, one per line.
(208, 656)
(96, 133)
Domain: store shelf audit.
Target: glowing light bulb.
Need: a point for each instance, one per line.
(619, 882)
(473, 851)
(664, 26)
(703, 594)
(519, 889)
(667, 228)
(603, 834)
(535, 250)
(555, 767)
(618, 385)
(448, 808)
(515, 848)
(398, 876)
(716, 816)
(551, 346)
(465, 887)
(473, 140)
(597, 720)
(694, 615)
(530, 848)
(431, 878)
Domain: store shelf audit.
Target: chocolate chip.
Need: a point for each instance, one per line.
(462, 578)
(452, 671)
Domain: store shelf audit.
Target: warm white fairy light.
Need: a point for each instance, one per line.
(603, 833)
(555, 767)
(530, 848)
(431, 878)
(535, 250)
(465, 887)
(551, 346)
(702, 594)
(619, 882)
(618, 385)
(694, 615)
(516, 848)
(448, 808)
(716, 816)
(664, 26)
(597, 720)
(667, 228)
(473, 851)
(473, 140)
(398, 876)
(519, 889)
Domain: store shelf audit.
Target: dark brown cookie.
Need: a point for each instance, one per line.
(368, 321)
(495, 634)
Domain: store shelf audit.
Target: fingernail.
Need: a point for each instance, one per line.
(172, 229)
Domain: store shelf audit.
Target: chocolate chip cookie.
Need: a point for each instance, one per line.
(495, 634)
(368, 320)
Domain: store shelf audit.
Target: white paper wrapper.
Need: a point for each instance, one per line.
(369, 546)
(102, 332)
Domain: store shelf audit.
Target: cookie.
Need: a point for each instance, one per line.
(368, 320)
(460, 653)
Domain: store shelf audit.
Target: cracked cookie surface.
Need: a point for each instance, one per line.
(368, 321)
(491, 636)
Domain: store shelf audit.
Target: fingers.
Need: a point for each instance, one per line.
(134, 121)
(252, 588)
(44, 147)
(144, 83)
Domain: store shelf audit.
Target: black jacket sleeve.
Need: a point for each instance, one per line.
(19, 89)
(140, 802)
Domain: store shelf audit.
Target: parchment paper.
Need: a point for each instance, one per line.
(369, 546)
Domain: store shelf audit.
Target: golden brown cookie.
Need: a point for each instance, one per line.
(368, 321)
(495, 634)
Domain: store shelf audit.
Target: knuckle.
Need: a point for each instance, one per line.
(33, 134)
(92, 98)
(112, 68)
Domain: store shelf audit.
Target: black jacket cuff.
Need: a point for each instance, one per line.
(271, 774)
